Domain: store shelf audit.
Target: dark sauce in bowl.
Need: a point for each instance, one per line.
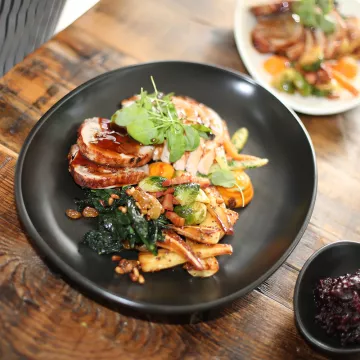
(338, 305)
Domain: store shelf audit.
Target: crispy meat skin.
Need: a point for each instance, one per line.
(94, 176)
(91, 127)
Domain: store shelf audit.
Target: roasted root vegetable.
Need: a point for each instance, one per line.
(221, 216)
(347, 66)
(239, 195)
(175, 243)
(161, 169)
(166, 259)
(342, 80)
(211, 267)
(276, 64)
(209, 231)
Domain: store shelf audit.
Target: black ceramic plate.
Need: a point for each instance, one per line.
(266, 233)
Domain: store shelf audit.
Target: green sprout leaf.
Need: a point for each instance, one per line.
(192, 138)
(225, 178)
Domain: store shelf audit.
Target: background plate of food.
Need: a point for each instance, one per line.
(143, 187)
(306, 52)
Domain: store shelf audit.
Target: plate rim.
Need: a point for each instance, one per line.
(246, 59)
(91, 287)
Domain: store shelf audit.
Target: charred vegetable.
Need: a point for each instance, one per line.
(186, 194)
(152, 184)
(193, 214)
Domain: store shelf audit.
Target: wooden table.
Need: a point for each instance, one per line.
(41, 316)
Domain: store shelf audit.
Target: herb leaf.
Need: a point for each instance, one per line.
(175, 143)
(153, 118)
(192, 138)
(143, 131)
(221, 177)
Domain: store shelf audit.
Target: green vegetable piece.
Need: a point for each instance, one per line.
(140, 226)
(240, 138)
(302, 85)
(248, 164)
(152, 184)
(175, 143)
(129, 114)
(102, 242)
(225, 178)
(186, 194)
(321, 92)
(192, 138)
(143, 131)
(193, 214)
(325, 23)
(326, 5)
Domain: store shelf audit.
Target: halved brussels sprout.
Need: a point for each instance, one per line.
(193, 214)
(152, 184)
(186, 194)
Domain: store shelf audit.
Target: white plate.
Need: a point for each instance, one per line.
(254, 62)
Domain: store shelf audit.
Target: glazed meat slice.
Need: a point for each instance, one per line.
(94, 176)
(272, 8)
(105, 144)
(353, 31)
(277, 34)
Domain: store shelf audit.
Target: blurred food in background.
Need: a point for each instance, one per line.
(315, 47)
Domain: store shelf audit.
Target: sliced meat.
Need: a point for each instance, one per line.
(334, 40)
(94, 176)
(193, 160)
(100, 142)
(295, 51)
(353, 32)
(273, 8)
(277, 34)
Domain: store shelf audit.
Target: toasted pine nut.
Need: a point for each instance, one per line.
(119, 270)
(116, 258)
(219, 200)
(114, 196)
(123, 209)
(110, 201)
(141, 279)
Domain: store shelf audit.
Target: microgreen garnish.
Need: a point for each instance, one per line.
(152, 119)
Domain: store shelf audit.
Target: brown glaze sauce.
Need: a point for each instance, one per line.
(91, 166)
(115, 138)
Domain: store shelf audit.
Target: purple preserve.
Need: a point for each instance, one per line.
(338, 305)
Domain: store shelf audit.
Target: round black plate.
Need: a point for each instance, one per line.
(267, 231)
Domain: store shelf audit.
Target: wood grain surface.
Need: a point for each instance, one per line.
(41, 315)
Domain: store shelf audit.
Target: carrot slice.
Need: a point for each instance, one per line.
(341, 79)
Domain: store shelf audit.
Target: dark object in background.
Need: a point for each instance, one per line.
(332, 260)
(24, 26)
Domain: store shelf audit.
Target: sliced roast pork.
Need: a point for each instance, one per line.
(88, 174)
(275, 7)
(277, 34)
(103, 144)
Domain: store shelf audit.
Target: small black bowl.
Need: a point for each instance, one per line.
(333, 260)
